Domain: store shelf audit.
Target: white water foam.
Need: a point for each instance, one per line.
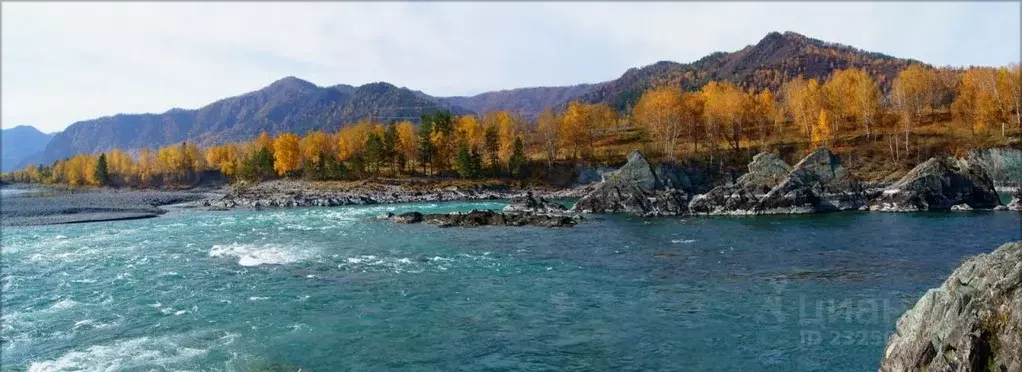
(134, 354)
(255, 255)
(683, 241)
(63, 304)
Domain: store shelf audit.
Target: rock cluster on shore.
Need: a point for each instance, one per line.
(939, 184)
(477, 218)
(638, 189)
(972, 322)
(816, 184)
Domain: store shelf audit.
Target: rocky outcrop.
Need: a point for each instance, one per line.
(528, 203)
(1003, 164)
(477, 218)
(972, 322)
(637, 189)
(939, 184)
(765, 171)
(1016, 201)
(818, 183)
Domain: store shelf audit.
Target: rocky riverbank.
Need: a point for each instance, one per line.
(816, 184)
(291, 194)
(972, 322)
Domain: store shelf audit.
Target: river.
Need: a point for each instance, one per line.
(327, 289)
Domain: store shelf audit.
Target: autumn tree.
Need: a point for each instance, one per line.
(725, 111)
(822, 130)
(911, 94)
(548, 131)
(287, 154)
(803, 101)
(659, 111)
(406, 148)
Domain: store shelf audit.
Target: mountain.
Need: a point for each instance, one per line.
(292, 104)
(528, 102)
(776, 59)
(289, 104)
(20, 143)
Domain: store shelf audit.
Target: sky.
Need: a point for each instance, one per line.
(66, 62)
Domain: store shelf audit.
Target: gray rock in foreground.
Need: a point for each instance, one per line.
(635, 188)
(939, 184)
(972, 322)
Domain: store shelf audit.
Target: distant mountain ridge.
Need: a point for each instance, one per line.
(19, 144)
(295, 105)
(528, 102)
(289, 104)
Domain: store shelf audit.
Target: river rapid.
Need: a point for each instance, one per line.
(322, 289)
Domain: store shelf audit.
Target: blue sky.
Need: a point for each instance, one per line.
(65, 62)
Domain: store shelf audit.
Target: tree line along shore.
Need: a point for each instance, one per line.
(880, 132)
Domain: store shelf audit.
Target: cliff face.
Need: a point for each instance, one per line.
(1003, 164)
(972, 322)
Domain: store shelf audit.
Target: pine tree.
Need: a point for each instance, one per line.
(102, 173)
(517, 158)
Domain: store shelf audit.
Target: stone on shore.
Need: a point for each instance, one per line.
(972, 322)
(528, 203)
(637, 189)
(939, 184)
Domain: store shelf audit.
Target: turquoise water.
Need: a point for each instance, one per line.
(324, 289)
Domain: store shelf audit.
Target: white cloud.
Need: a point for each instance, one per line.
(64, 62)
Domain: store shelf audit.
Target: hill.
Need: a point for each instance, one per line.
(769, 63)
(20, 143)
(289, 104)
(528, 102)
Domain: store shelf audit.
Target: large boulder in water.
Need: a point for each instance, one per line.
(528, 203)
(818, 183)
(939, 184)
(635, 188)
(765, 171)
(972, 322)
(477, 218)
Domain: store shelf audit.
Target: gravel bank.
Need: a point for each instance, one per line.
(56, 206)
